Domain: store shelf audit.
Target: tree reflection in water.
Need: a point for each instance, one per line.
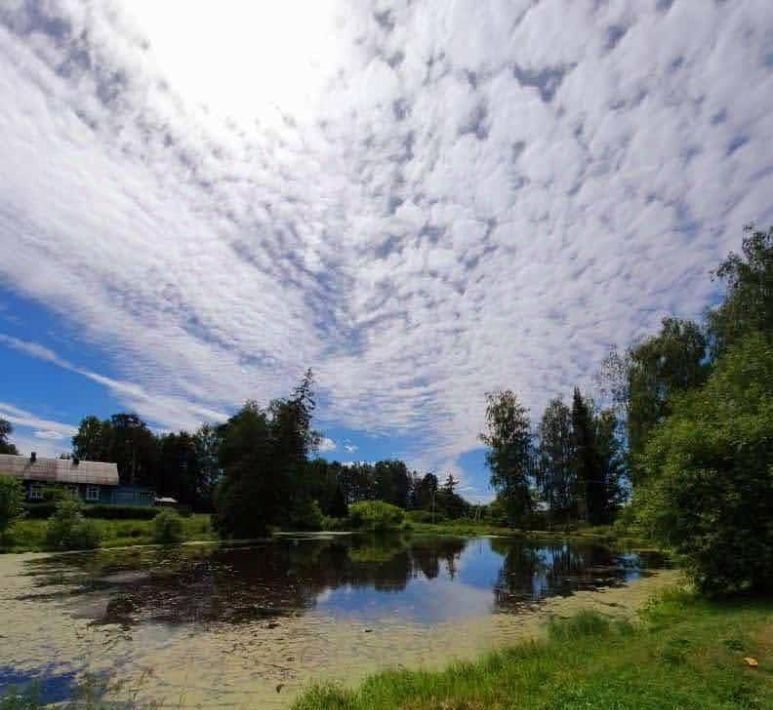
(291, 575)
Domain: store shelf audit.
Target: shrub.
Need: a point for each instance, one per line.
(710, 475)
(67, 529)
(426, 516)
(376, 516)
(306, 515)
(39, 511)
(121, 512)
(11, 501)
(167, 528)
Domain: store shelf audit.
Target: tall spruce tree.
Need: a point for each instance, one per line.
(587, 462)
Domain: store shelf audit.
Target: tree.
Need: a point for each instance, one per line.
(11, 502)
(247, 500)
(509, 457)
(92, 440)
(179, 473)
(425, 492)
(452, 504)
(556, 476)
(659, 367)
(132, 446)
(392, 482)
(263, 455)
(207, 444)
(587, 461)
(748, 303)
(6, 447)
(709, 487)
(612, 458)
(125, 440)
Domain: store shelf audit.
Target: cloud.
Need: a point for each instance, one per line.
(349, 447)
(471, 195)
(326, 444)
(48, 434)
(23, 418)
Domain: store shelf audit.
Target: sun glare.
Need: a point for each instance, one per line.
(244, 60)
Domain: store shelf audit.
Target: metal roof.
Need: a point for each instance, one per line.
(59, 470)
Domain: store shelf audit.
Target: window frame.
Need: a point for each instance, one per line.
(35, 491)
(92, 493)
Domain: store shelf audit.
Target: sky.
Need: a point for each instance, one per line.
(422, 201)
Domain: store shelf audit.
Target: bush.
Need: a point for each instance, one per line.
(710, 475)
(306, 515)
(376, 516)
(167, 528)
(11, 501)
(67, 529)
(120, 512)
(425, 516)
(39, 511)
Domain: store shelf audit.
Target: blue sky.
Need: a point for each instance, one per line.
(421, 201)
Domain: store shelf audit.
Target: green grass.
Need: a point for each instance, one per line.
(467, 527)
(685, 653)
(29, 535)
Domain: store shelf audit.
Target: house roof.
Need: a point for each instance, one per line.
(59, 470)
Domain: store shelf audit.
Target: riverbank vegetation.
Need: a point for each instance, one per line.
(683, 652)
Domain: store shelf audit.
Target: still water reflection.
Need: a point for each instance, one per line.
(420, 580)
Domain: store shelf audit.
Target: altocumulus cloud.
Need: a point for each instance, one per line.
(477, 194)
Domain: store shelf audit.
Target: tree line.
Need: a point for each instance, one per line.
(256, 470)
(686, 441)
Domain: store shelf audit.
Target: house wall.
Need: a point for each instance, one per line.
(108, 495)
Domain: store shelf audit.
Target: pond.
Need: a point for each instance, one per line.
(209, 624)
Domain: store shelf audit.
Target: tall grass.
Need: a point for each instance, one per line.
(29, 535)
(685, 653)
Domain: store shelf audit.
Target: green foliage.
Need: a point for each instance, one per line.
(11, 501)
(67, 529)
(167, 528)
(556, 475)
(710, 474)
(6, 447)
(263, 455)
(509, 456)
(587, 462)
(120, 512)
(748, 304)
(584, 623)
(658, 368)
(376, 516)
(306, 515)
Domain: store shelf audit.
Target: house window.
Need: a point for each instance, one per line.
(36, 492)
(92, 493)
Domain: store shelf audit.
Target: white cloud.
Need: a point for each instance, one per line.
(23, 418)
(326, 444)
(469, 195)
(350, 448)
(50, 435)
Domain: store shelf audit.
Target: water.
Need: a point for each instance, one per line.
(274, 613)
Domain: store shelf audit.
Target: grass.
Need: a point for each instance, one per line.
(685, 653)
(466, 527)
(29, 535)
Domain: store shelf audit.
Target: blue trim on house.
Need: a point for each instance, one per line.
(97, 493)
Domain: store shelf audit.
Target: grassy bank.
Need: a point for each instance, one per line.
(685, 653)
(463, 527)
(28, 535)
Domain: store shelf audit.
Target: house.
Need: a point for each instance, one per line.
(91, 481)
